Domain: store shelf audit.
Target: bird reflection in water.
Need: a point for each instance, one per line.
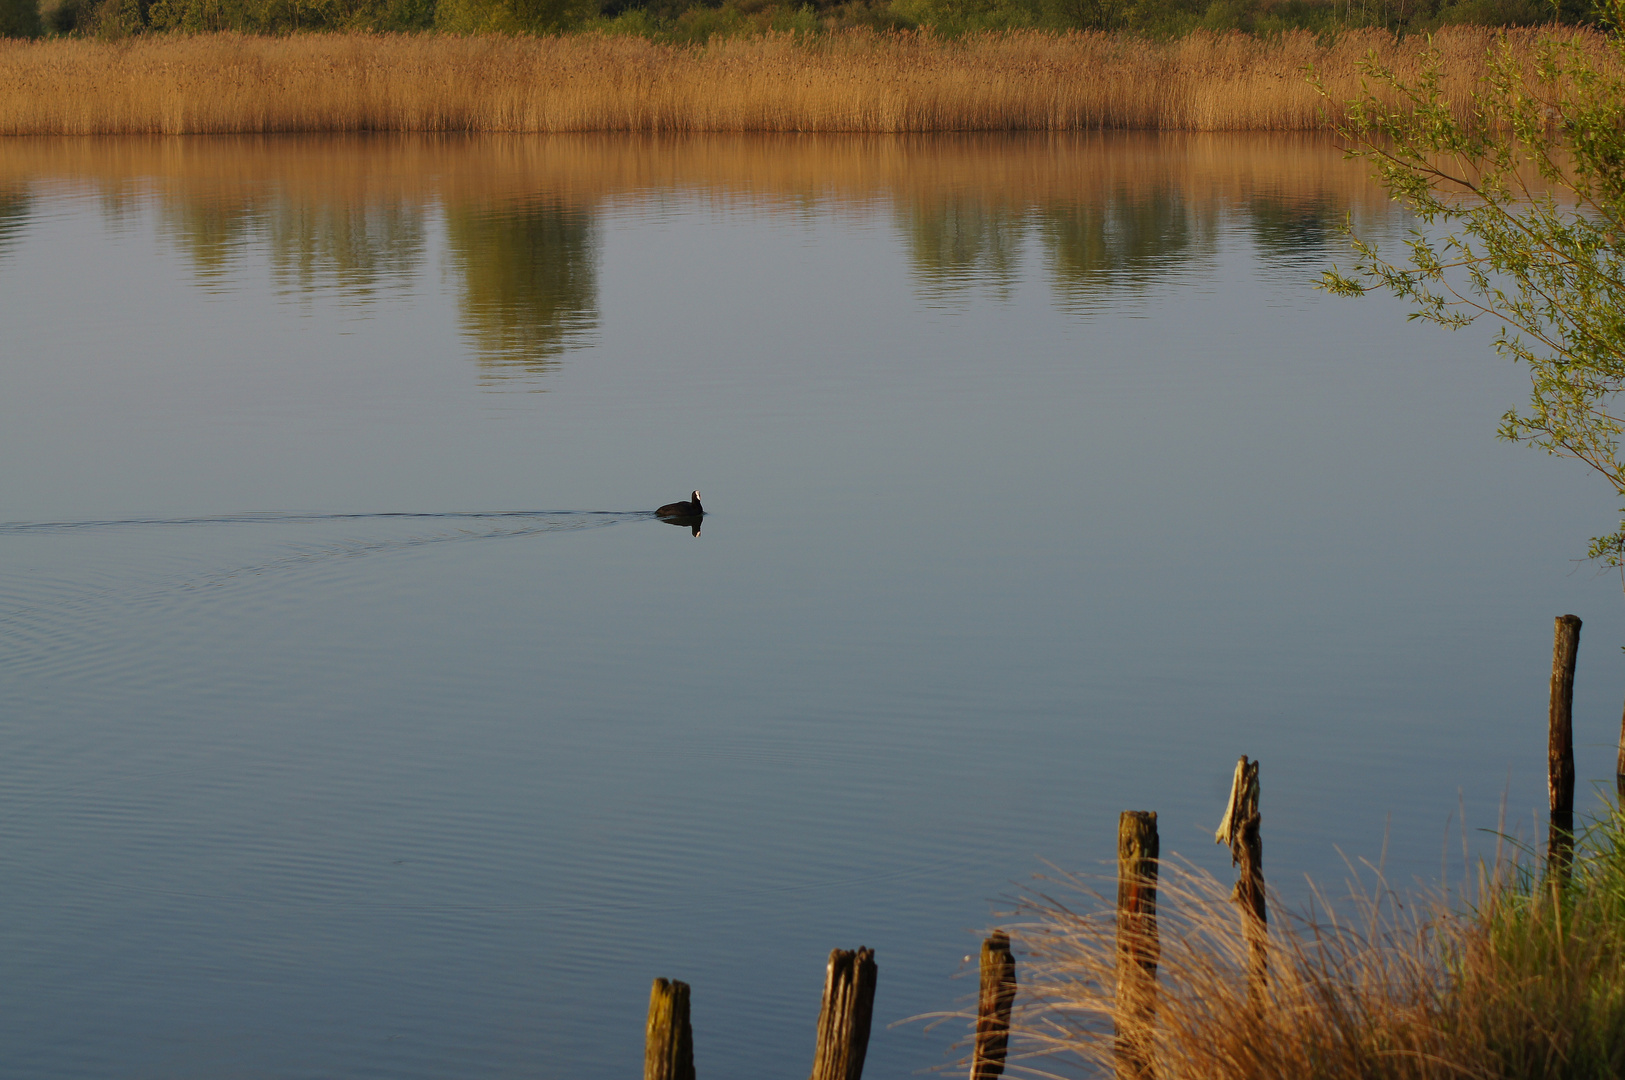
(688, 514)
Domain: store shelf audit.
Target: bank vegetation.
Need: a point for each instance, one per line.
(1519, 979)
(851, 81)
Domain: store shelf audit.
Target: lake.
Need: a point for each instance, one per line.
(360, 720)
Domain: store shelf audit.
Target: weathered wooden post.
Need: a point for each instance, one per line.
(843, 1019)
(668, 1041)
(1560, 749)
(993, 1007)
(1619, 766)
(1240, 830)
(1138, 949)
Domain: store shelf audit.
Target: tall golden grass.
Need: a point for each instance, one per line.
(1523, 982)
(856, 81)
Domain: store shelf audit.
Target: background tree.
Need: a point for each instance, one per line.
(1521, 199)
(19, 18)
(511, 16)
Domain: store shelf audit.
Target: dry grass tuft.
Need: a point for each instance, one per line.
(856, 81)
(1525, 982)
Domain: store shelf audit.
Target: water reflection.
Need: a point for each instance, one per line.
(358, 249)
(211, 231)
(1293, 229)
(961, 243)
(15, 203)
(688, 521)
(1125, 241)
(311, 246)
(529, 281)
(1095, 217)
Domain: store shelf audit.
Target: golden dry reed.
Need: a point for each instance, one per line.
(1521, 984)
(856, 81)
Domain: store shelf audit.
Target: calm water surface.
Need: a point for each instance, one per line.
(358, 720)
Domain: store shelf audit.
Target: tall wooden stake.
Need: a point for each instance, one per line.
(1138, 949)
(993, 1007)
(843, 1019)
(1560, 749)
(1240, 830)
(1619, 766)
(668, 1041)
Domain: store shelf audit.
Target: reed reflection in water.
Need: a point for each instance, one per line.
(961, 243)
(1126, 240)
(1106, 216)
(311, 245)
(529, 282)
(1293, 230)
(14, 208)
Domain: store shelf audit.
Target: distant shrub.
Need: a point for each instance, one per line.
(968, 16)
(512, 16)
(1493, 13)
(20, 18)
(65, 16)
(113, 19)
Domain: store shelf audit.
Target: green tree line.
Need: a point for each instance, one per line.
(699, 20)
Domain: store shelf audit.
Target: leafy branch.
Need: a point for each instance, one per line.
(1521, 198)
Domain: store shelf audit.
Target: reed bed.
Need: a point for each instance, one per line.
(851, 81)
(1522, 982)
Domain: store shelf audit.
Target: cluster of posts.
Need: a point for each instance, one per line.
(849, 980)
(1137, 945)
(843, 1022)
(843, 1019)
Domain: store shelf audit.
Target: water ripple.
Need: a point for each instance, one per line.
(56, 620)
(277, 517)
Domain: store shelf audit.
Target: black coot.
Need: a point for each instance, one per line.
(690, 509)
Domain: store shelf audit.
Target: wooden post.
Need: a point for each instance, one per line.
(1619, 766)
(668, 1041)
(1138, 949)
(843, 1019)
(1560, 748)
(993, 1007)
(1240, 830)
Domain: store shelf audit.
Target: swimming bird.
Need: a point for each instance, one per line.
(682, 509)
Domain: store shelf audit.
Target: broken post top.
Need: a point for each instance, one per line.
(1137, 842)
(668, 1046)
(1241, 809)
(844, 1017)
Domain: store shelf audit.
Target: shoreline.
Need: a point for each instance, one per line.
(844, 82)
